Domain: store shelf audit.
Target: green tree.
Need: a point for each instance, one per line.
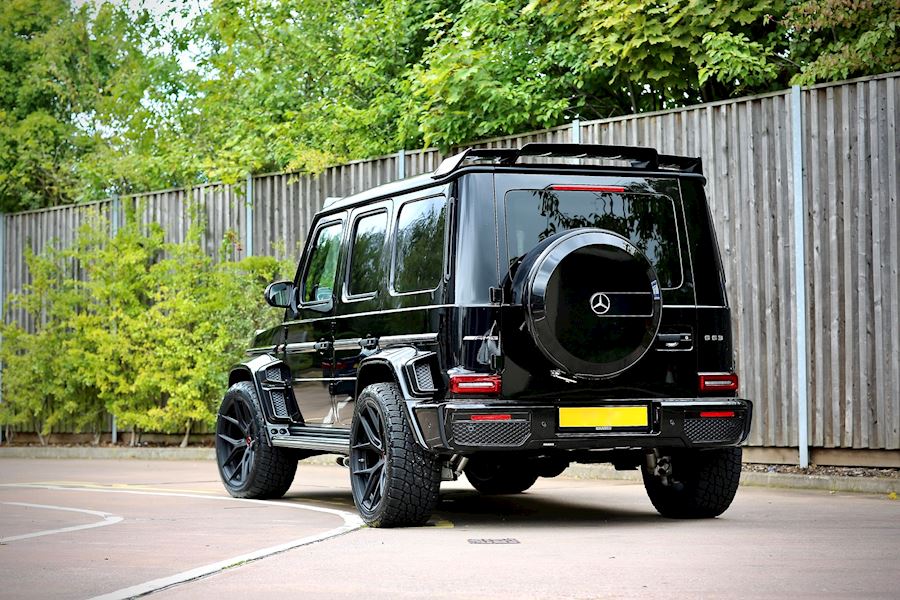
(83, 94)
(839, 39)
(675, 52)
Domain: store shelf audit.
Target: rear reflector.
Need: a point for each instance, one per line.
(718, 382)
(490, 417)
(716, 414)
(475, 384)
(587, 188)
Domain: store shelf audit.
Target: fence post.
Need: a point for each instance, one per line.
(401, 164)
(115, 208)
(248, 245)
(576, 131)
(2, 299)
(800, 276)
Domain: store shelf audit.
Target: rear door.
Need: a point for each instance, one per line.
(646, 211)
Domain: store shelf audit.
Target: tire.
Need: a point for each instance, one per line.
(395, 482)
(498, 476)
(702, 484)
(248, 466)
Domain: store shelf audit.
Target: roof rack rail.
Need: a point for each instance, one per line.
(640, 157)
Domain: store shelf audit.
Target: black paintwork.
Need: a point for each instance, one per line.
(334, 349)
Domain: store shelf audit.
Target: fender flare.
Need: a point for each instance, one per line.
(259, 371)
(402, 363)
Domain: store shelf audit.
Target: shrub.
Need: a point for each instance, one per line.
(133, 326)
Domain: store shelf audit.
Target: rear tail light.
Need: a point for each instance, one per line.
(718, 382)
(475, 384)
(490, 417)
(716, 414)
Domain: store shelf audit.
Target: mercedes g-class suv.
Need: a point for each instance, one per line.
(511, 313)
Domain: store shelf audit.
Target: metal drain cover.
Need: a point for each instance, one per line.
(494, 541)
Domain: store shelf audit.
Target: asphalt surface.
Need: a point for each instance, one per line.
(80, 529)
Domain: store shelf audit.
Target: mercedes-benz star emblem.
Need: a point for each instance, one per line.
(600, 303)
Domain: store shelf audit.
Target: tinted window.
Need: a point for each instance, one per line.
(648, 220)
(318, 285)
(419, 254)
(367, 254)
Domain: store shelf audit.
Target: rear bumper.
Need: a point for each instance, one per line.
(683, 422)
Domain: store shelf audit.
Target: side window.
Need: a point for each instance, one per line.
(318, 283)
(419, 245)
(367, 254)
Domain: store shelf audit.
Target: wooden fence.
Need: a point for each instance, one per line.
(850, 148)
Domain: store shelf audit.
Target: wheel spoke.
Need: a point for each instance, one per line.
(243, 417)
(372, 481)
(230, 469)
(364, 446)
(231, 440)
(232, 420)
(374, 420)
(373, 468)
(245, 465)
(373, 439)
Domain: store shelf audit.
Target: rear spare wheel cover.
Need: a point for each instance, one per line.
(593, 303)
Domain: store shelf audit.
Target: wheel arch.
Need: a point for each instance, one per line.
(396, 365)
(259, 372)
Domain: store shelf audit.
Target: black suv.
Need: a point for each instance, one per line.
(513, 312)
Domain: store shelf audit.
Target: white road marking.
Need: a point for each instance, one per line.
(108, 519)
(352, 522)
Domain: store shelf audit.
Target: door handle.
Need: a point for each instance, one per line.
(675, 341)
(323, 346)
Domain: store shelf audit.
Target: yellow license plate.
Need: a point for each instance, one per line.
(604, 417)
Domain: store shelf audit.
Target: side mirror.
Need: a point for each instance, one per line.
(280, 294)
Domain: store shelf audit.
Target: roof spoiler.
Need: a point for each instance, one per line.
(640, 157)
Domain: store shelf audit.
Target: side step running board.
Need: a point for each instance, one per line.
(325, 439)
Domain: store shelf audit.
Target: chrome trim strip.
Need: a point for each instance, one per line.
(411, 338)
(312, 443)
(347, 344)
(261, 350)
(481, 338)
(308, 379)
(373, 312)
(300, 347)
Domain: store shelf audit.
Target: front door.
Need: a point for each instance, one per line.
(309, 349)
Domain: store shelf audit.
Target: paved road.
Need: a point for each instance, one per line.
(88, 528)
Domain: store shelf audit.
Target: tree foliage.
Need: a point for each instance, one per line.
(104, 97)
(132, 326)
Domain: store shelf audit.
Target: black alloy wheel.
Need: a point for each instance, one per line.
(236, 440)
(248, 465)
(368, 455)
(395, 481)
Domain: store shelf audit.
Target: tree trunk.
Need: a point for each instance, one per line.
(133, 439)
(187, 436)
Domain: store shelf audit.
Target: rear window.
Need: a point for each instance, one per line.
(647, 220)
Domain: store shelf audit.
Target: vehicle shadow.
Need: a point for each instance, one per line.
(468, 507)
